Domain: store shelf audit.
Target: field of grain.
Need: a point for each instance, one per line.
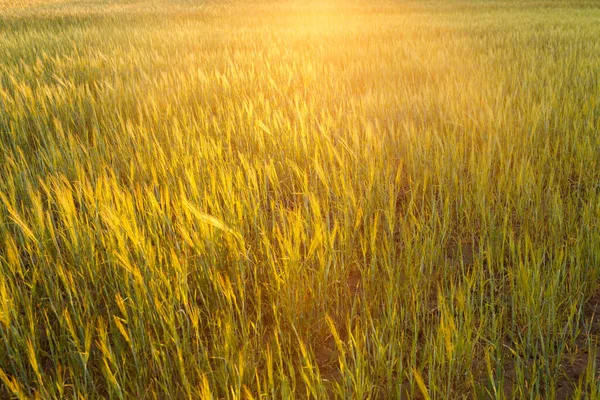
(360, 199)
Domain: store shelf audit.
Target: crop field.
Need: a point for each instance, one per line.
(361, 199)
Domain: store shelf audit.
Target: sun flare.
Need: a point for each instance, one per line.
(252, 199)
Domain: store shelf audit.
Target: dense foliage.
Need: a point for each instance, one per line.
(361, 199)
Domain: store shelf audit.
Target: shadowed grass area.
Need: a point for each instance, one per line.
(366, 199)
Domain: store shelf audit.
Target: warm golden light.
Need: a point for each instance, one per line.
(278, 199)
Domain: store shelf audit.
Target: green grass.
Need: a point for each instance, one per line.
(361, 199)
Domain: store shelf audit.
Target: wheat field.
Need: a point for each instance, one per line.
(361, 199)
